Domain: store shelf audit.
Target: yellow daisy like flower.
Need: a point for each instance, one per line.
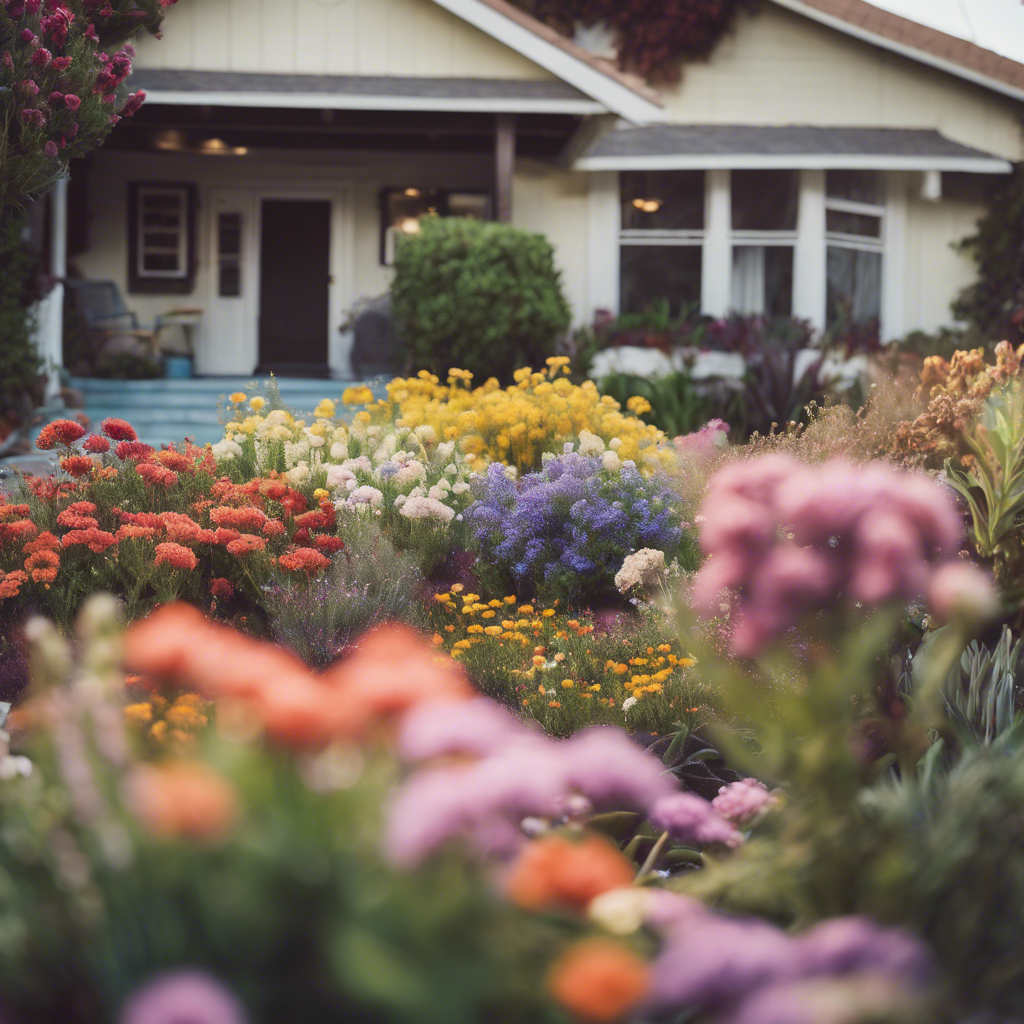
(324, 410)
(238, 397)
(257, 403)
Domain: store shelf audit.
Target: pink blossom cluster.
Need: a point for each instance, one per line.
(743, 802)
(483, 777)
(785, 538)
(703, 445)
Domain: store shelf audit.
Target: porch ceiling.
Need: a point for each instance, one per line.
(184, 128)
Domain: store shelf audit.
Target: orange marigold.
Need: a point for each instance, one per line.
(119, 430)
(64, 432)
(175, 555)
(77, 465)
(329, 544)
(77, 520)
(554, 872)
(598, 980)
(303, 560)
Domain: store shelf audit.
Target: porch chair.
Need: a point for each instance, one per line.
(104, 314)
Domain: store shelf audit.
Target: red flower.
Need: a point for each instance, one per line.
(129, 531)
(64, 432)
(132, 104)
(96, 444)
(155, 475)
(94, 539)
(75, 518)
(13, 511)
(311, 520)
(225, 535)
(42, 565)
(248, 519)
(17, 530)
(175, 555)
(273, 528)
(133, 451)
(139, 518)
(180, 527)
(178, 461)
(76, 465)
(307, 560)
(44, 542)
(329, 544)
(221, 588)
(119, 430)
(246, 542)
(10, 584)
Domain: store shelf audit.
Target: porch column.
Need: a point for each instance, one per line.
(809, 257)
(603, 242)
(716, 266)
(51, 325)
(894, 257)
(504, 166)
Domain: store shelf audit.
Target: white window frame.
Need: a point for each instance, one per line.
(141, 249)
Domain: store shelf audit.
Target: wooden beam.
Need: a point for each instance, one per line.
(504, 165)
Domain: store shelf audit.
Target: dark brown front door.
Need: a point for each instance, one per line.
(294, 275)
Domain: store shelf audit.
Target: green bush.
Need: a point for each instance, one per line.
(20, 365)
(480, 296)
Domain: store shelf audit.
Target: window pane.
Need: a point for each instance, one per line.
(230, 280)
(853, 224)
(155, 219)
(229, 233)
(762, 279)
(475, 206)
(650, 273)
(161, 200)
(160, 241)
(160, 261)
(765, 200)
(663, 200)
(860, 186)
(854, 291)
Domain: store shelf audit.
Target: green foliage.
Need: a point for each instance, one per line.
(677, 406)
(480, 296)
(19, 363)
(127, 366)
(994, 305)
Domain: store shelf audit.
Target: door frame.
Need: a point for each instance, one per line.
(341, 263)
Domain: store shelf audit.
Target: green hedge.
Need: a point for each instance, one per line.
(481, 296)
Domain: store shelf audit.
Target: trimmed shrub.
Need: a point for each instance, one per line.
(484, 297)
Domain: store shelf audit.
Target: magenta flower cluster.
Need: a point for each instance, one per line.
(482, 772)
(735, 970)
(784, 538)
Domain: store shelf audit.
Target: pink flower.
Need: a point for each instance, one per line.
(961, 588)
(41, 58)
(744, 801)
(132, 104)
(71, 101)
(50, 150)
(689, 818)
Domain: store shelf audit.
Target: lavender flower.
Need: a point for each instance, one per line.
(743, 802)
(473, 727)
(689, 818)
(184, 997)
(785, 538)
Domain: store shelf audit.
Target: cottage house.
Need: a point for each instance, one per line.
(819, 164)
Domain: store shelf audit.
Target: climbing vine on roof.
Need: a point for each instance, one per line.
(653, 37)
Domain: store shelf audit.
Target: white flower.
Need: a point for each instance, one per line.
(445, 450)
(611, 462)
(451, 469)
(226, 449)
(298, 474)
(426, 508)
(460, 488)
(339, 450)
(315, 440)
(366, 495)
(615, 443)
(643, 568)
(628, 703)
(296, 452)
(439, 490)
(410, 471)
(14, 765)
(426, 433)
(590, 444)
(419, 491)
(401, 500)
(338, 476)
(277, 417)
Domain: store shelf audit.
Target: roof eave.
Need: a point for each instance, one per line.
(922, 56)
(811, 161)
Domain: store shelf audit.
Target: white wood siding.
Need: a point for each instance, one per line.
(336, 37)
(778, 68)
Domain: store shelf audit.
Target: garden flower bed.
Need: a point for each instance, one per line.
(483, 704)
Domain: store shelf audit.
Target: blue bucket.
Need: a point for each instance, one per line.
(177, 367)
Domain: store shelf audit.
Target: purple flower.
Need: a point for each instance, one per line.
(612, 771)
(742, 802)
(689, 818)
(474, 727)
(184, 997)
(50, 150)
(844, 945)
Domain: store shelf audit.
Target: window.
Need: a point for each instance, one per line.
(764, 210)
(403, 208)
(854, 231)
(161, 238)
(660, 240)
(229, 255)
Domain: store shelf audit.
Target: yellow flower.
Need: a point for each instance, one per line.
(320, 494)
(475, 628)
(442, 598)
(567, 684)
(238, 397)
(257, 403)
(638, 405)
(488, 614)
(457, 588)
(140, 713)
(493, 630)
(356, 396)
(526, 609)
(548, 613)
(510, 600)
(325, 409)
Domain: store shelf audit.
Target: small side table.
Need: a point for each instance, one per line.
(188, 319)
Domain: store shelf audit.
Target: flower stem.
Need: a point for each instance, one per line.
(652, 857)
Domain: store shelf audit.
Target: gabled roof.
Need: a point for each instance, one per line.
(918, 41)
(624, 94)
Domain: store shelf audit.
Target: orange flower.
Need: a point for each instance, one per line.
(247, 519)
(222, 589)
(13, 511)
(307, 560)
(11, 583)
(175, 555)
(42, 565)
(64, 432)
(77, 465)
(18, 530)
(96, 444)
(182, 800)
(598, 980)
(554, 872)
(129, 531)
(273, 528)
(92, 538)
(46, 541)
(178, 461)
(119, 430)
(184, 530)
(245, 543)
(155, 475)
